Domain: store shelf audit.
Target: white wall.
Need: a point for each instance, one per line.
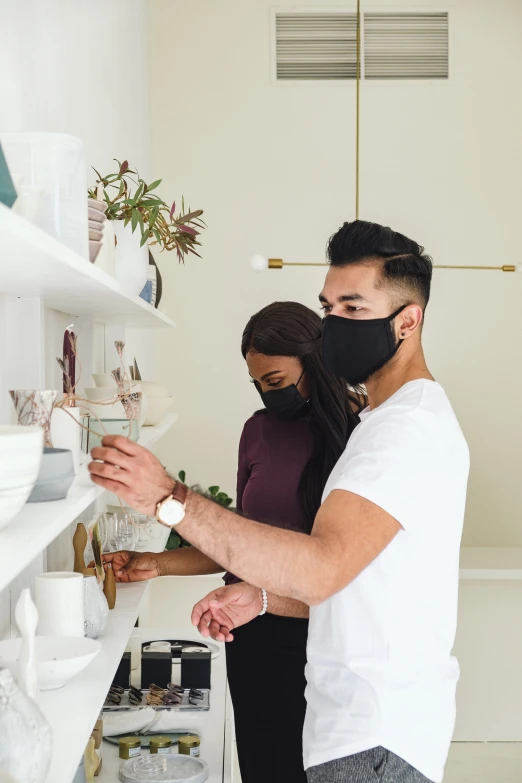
(273, 167)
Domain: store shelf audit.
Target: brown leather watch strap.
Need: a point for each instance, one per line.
(180, 492)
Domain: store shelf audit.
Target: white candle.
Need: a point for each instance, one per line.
(59, 600)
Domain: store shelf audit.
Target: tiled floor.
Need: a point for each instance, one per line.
(484, 762)
(471, 762)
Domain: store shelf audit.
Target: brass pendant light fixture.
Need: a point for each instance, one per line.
(259, 263)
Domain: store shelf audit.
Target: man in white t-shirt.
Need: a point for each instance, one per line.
(380, 569)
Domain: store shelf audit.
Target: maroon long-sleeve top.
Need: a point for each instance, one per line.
(272, 456)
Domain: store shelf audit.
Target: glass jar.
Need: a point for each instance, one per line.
(161, 745)
(189, 745)
(129, 747)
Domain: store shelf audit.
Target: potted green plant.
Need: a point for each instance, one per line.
(212, 493)
(141, 218)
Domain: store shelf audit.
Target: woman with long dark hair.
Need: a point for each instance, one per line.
(286, 454)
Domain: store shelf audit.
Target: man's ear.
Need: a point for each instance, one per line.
(411, 319)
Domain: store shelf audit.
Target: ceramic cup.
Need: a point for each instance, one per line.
(59, 600)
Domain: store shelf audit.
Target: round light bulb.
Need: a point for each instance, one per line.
(259, 263)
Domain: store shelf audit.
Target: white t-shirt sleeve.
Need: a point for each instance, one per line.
(394, 461)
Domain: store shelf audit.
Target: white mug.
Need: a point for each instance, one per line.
(59, 600)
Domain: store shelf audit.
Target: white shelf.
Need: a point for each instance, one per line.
(38, 524)
(490, 563)
(73, 710)
(35, 264)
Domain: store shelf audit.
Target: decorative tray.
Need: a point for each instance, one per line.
(187, 703)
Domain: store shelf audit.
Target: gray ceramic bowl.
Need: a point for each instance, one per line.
(55, 477)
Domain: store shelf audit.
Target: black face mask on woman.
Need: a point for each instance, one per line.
(355, 350)
(287, 403)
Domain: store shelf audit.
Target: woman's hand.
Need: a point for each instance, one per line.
(133, 566)
(227, 608)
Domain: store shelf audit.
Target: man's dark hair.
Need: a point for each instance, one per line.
(406, 267)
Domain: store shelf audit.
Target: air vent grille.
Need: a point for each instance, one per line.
(406, 46)
(316, 46)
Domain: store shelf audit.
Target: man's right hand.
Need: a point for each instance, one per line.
(133, 566)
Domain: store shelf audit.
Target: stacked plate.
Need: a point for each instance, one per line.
(21, 450)
(96, 221)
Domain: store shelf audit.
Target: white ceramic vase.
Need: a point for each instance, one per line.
(59, 600)
(131, 265)
(96, 608)
(106, 257)
(26, 738)
(66, 432)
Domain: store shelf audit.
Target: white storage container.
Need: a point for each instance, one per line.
(48, 170)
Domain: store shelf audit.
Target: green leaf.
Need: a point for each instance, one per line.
(134, 221)
(174, 541)
(151, 202)
(213, 491)
(190, 216)
(140, 221)
(227, 503)
(153, 216)
(182, 476)
(144, 237)
(126, 221)
(153, 185)
(138, 194)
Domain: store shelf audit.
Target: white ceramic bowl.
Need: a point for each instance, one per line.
(153, 389)
(21, 450)
(103, 379)
(58, 658)
(157, 409)
(11, 503)
(99, 411)
(101, 393)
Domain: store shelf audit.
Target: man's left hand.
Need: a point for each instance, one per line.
(227, 608)
(131, 472)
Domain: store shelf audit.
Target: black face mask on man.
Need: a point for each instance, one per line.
(287, 403)
(355, 349)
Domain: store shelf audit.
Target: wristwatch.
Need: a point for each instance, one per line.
(171, 511)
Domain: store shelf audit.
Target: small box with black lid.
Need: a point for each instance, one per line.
(195, 667)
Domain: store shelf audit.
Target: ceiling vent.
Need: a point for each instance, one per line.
(316, 46)
(406, 46)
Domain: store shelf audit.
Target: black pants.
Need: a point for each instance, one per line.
(265, 665)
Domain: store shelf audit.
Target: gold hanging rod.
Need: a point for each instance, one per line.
(278, 263)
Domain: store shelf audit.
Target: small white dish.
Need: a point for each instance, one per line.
(153, 389)
(103, 379)
(102, 393)
(157, 409)
(58, 658)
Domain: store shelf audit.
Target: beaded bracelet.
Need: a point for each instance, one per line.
(265, 602)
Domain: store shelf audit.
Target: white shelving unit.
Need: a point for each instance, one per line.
(73, 710)
(38, 274)
(39, 524)
(34, 264)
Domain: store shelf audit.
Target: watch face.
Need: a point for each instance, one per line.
(171, 513)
